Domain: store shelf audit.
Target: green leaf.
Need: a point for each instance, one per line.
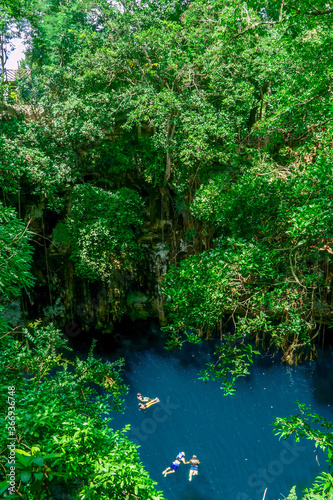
(22, 452)
(25, 476)
(4, 486)
(38, 461)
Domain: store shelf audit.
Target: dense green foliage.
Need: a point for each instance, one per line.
(270, 199)
(225, 109)
(104, 227)
(228, 106)
(15, 259)
(15, 254)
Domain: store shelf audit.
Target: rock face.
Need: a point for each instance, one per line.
(72, 302)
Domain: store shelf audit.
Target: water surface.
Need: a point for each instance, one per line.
(232, 436)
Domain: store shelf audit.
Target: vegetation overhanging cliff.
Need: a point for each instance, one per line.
(196, 133)
(172, 159)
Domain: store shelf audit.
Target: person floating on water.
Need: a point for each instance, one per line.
(194, 467)
(150, 402)
(143, 399)
(175, 464)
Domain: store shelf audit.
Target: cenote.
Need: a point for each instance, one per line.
(232, 436)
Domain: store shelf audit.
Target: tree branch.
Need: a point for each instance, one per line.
(281, 11)
(254, 27)
(312, 12)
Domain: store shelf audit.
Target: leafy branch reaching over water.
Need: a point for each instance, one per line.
(313, 427)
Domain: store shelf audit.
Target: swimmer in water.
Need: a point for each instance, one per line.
(143, 399)
(175, 464)
(194, 467)
(144, 406)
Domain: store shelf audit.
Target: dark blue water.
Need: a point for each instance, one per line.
(232, 436)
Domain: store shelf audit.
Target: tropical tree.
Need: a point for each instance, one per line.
(226, 109)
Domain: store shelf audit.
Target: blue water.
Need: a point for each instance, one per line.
(232, 436)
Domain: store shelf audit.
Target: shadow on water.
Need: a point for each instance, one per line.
(323, 377)
(232, 436)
